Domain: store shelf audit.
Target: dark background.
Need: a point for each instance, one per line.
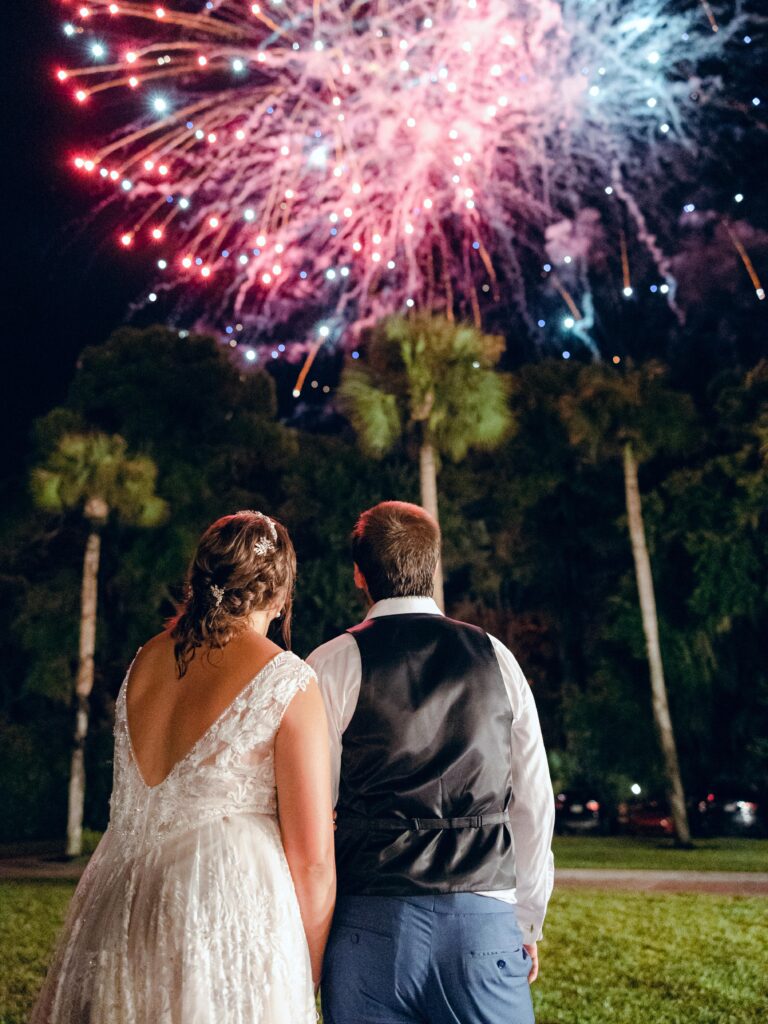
(565, 597)
(65, 288)
(68, 286)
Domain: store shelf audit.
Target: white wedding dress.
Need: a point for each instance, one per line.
(186, 913)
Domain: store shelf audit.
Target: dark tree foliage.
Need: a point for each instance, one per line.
(535, 551)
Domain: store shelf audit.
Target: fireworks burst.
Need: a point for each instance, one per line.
(349, 159)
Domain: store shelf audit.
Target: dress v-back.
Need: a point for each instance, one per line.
(186, 913)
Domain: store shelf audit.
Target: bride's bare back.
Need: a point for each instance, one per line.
(167, 716)
(193, 903)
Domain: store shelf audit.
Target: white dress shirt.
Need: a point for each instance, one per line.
(532, 815)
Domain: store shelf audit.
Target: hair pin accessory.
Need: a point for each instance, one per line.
(264, 546)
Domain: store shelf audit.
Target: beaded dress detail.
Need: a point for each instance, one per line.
(186, 913)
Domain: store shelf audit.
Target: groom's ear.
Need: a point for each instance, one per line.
(360, 579)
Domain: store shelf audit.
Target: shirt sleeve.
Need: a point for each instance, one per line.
(338, 670)
(532, 815)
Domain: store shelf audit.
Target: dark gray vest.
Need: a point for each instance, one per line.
(426, 767)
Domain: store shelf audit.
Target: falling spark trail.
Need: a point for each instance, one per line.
(625, 263)
(710, 15)
(750, 268)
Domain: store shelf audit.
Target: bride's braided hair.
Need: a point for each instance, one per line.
(243, 563)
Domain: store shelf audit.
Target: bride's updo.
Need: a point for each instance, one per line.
(243, 563)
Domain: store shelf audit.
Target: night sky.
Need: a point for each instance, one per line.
(62, 293)
(67, 286)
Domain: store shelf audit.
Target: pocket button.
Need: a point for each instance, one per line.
(501, 963)
(355, 938)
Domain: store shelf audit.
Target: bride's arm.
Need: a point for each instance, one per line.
(302, 771)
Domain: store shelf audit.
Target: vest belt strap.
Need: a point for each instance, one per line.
(422, 824)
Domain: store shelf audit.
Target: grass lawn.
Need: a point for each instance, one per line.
(640, 958)
(659, 854)
(608, 957)
(30, 916)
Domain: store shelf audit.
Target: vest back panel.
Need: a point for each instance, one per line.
(430, 739)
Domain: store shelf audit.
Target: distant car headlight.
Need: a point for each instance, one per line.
(747, 811)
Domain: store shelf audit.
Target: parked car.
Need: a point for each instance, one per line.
(728, 811)
(579, 813)
(646, 818)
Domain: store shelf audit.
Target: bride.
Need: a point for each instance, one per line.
(210, 896)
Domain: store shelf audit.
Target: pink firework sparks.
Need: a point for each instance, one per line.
(353, 159)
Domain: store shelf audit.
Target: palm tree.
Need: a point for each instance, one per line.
(431, 381)
(634, 416)
(93, 474)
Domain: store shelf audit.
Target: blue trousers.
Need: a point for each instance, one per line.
(453, 959)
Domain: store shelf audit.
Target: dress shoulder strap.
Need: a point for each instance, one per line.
(286, 675)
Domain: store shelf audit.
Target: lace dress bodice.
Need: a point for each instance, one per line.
(229, 770)
(187, 913)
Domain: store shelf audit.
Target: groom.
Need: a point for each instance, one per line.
(444, 801)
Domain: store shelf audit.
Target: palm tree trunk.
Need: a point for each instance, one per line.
(428, 481)
(83, 688)
(651, 629)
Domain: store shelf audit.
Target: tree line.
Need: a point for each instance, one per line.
(594, 518)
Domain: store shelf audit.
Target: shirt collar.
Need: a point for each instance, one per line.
(403, 606)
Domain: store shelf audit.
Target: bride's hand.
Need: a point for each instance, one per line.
(533, 953)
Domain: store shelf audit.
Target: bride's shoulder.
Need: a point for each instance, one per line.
(293, 671)
(156, 646)
(249, 645)
(151, 651)
(293, 663)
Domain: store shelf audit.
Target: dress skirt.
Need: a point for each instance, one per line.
(201, 928)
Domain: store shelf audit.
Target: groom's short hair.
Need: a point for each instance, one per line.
(396, 546)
